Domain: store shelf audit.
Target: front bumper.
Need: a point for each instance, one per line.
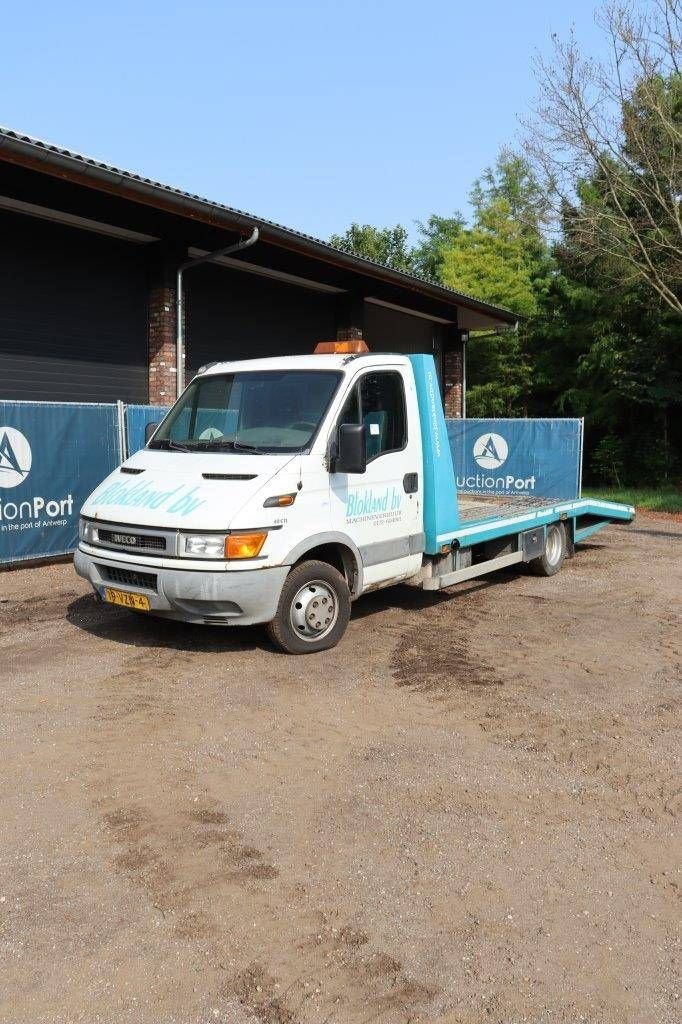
(239, 597)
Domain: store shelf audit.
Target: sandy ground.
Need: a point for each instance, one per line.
(467, 812)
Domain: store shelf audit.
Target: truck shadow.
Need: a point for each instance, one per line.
(656, 533)
(137, 629)
(402, 598)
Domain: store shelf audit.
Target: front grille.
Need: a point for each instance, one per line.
(132, 540)
(128, 577)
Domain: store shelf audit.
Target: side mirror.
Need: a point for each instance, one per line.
(351, 456)
(149, 429)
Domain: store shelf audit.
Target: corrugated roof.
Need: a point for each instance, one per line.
(52, 154)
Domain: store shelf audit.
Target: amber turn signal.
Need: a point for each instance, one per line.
(244, 545)
(279, 501)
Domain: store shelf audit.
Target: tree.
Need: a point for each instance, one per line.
(611, 353)
(503, 258)
(493, 260)
(381, 245)
(436, 236)
(513, 180)
(606, 140)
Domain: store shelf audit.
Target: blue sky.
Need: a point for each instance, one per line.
(312, 114)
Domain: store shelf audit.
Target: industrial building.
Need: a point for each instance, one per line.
(89, 259)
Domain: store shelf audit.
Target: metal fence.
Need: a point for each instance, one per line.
(52, 455)
(136, 419)
(533, 458)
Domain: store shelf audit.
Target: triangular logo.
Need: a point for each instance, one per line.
(490, 450)
(8, 460)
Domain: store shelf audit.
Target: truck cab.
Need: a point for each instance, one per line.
(279, 490)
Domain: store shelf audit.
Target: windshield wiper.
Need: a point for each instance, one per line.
(239, 446)
(217, 443)
(208, 445)
(165, 444)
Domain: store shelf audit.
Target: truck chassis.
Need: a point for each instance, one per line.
(499, 531)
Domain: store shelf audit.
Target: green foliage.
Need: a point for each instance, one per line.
(503, 258)
(390, 245)
(658, 499)
(382, 245)
(608, 459)
(613, 354)
(595, 340)
(436, 237)
(493, 259)
(512, 180)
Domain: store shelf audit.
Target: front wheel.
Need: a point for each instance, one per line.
(313, 609)
(552, 558)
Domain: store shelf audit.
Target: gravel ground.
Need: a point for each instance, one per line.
(468, 812)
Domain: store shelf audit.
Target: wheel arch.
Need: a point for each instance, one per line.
(336, 549)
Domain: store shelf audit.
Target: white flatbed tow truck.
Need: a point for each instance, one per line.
(280, 490)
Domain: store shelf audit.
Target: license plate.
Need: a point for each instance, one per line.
(137, 601)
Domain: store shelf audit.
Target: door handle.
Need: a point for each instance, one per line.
(411, 483)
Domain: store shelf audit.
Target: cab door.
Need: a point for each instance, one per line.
(381, 509)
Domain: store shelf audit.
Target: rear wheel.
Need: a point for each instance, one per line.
(552, 558)
(313, 609)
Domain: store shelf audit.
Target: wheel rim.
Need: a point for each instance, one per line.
(553, 546)
(314, 611)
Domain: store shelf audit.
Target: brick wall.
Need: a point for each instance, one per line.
(453, 366)
(349, 334)
(162, 370)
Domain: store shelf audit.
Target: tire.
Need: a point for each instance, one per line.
(554, 554)
(313, 609)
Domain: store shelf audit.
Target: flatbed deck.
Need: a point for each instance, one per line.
(487, 516)
(475, 508)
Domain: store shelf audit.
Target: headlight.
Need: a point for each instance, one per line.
(87, 531)
(206, 545)
(221, 545)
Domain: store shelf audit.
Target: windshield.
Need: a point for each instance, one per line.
(260, 411)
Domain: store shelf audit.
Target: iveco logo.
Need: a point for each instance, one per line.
(124, 538)
(15, 457)
(491, 451)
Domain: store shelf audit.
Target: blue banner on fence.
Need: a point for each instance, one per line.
(538, 458)
(137, 418)
(51, 457)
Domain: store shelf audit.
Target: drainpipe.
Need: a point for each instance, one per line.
(244, 243)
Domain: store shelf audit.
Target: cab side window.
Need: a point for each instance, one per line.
(382, 402)
(378, 401)
(351, 410)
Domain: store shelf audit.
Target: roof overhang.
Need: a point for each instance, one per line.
(469, 313)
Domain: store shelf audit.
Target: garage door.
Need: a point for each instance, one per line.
(73, 314)
(236, 315)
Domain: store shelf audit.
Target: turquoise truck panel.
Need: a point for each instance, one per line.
(443, 524)
(441, 515)
(599, 514)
